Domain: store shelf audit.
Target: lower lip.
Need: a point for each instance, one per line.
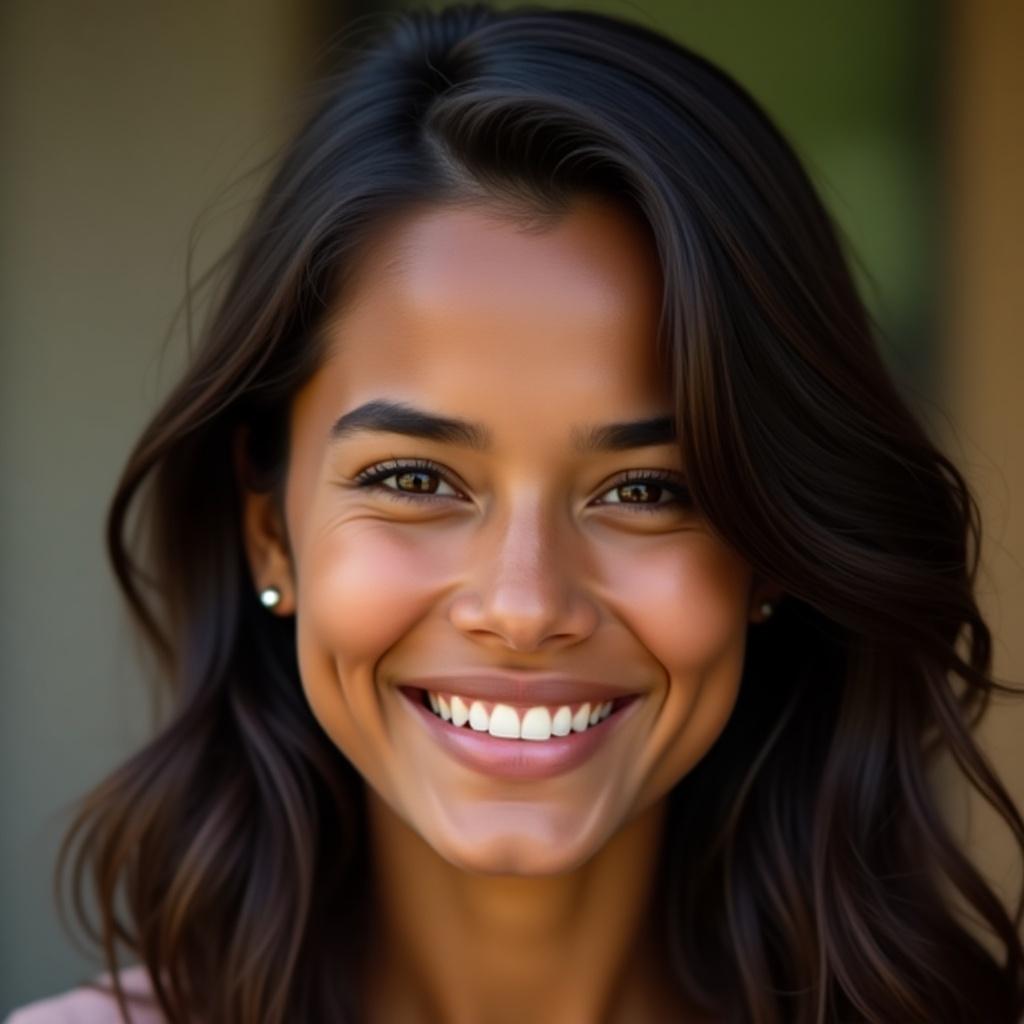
(518, 759)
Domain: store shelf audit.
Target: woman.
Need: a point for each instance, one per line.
(562, 606)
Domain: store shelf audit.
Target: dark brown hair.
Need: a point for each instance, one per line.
(808, 875)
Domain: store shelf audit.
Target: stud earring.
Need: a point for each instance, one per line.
(767, 608)
(270, 596)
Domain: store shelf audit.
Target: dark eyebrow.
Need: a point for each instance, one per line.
(401, 418)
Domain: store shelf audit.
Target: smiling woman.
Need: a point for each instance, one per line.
(563, 607)
(533, 569)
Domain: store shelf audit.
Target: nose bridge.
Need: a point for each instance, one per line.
(526, 576)
(524, 544)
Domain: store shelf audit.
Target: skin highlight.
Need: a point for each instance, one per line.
(499, 900)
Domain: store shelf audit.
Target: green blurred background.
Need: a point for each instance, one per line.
(855, 88)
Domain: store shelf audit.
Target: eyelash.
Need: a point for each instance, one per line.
(373, 475)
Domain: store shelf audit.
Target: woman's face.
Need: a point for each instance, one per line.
(513, 564)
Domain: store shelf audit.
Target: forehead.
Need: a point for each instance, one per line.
(470, 313)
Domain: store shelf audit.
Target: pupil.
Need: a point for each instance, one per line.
(416, 475)
(647, 489)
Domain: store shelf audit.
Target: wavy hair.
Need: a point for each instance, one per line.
(808, 874)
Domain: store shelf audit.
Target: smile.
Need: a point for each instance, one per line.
(539, 722)
(494, 738)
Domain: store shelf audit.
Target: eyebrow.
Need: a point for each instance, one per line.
(402, 418)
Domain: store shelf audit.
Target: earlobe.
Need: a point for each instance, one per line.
(263, 534)
(266, 551)
(765, 600)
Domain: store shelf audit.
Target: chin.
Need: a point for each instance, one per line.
(519, 863)
(520, 855)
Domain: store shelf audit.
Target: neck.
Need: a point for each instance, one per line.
(580, 946)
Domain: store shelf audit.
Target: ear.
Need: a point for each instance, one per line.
(763, 590)
(263, 534)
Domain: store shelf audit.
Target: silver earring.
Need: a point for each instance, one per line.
(270, 596)
(767, 608)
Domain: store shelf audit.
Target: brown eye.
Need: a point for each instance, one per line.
(643, 493)
(649, 492)
(416, 480)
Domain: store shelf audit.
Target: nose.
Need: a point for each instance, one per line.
(525, 587)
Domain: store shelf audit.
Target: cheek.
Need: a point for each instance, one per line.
(686, 602)
(363, 587)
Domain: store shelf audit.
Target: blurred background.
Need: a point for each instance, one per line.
(136, 137)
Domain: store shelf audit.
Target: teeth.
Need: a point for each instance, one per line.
(561, 724)
(460, 713)
(581, 719)
(504, 721)
(478, 717)
(537, 724)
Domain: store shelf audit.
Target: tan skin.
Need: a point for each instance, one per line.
(502, 901)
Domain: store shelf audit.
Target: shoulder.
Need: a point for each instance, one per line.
(86, 1005)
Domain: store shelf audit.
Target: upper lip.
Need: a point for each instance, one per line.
(522, 687)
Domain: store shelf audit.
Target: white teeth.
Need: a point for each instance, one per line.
(581, 719)
(537, 724)
(460, 713)
(561, 724)
(478, 717)
(504, 722)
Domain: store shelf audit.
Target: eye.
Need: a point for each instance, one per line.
(650, 491)
(419, 480)
(413, 477)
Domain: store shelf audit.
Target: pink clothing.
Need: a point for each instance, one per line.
(89, 1006)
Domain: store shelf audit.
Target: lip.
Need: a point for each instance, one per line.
(526, 760)
(524, 689)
